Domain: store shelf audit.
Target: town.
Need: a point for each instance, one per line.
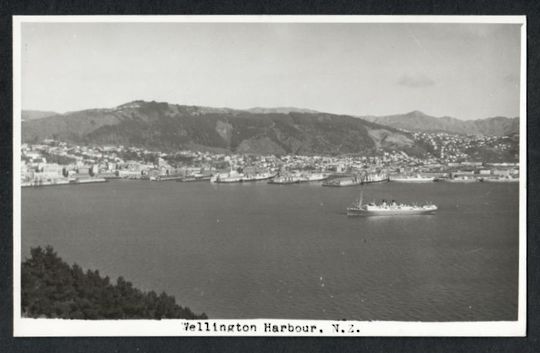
(449, 159)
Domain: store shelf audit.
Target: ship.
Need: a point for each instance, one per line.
(284, 179)
(412, 179)
(375, 178)
(389, 209)
(315, 177)
(231, 177)
(357, 179)
(460, 179)
(344, 181)
(194, 178)
(235, 177)
(258, 176)
(295, 178)
(502, 179)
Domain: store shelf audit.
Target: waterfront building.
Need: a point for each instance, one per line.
(501, 172)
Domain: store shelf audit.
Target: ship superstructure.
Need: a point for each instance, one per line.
(391, 208)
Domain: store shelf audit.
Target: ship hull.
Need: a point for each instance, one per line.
(341, 184)
(362, 212)
(314, 179)
(512, 180)
(257, 178)
(193, 179)
(228, 181)
(460, 180)
(427, 180)
(282, 182)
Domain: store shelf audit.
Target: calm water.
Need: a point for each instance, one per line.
(270, 251)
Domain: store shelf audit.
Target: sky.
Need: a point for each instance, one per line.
(468, 71)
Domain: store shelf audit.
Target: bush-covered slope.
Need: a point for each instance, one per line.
(170, 127)
(53, 289)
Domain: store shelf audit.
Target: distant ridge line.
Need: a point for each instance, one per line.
(414, 121)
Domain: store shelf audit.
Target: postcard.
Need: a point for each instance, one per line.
(269, 175)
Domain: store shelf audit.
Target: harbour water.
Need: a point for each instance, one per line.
(267, 251)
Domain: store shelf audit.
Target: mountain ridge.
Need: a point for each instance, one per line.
(279, 130)
(172, 127)
(417, 121)
(29, 114)
(281, 110)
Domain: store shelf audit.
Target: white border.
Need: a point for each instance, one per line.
(52, 327)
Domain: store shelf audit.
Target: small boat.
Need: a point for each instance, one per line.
(388, 209)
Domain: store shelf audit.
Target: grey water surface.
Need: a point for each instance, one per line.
(269, 251)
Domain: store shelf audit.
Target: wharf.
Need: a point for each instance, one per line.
(63, 182)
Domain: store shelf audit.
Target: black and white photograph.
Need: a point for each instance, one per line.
(269, 176)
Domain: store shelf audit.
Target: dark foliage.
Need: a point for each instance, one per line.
(53, 289)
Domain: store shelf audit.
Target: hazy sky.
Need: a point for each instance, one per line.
(467, 71)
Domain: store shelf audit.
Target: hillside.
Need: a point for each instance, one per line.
(417, 121)
(171, 127)
(52, 288)
(35, 114)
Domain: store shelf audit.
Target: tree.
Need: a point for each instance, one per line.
(52, 288)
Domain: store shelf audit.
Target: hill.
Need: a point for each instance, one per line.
(417, 121)
(170, 127)
(35, 114)
(52, 288)
(280, 110)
